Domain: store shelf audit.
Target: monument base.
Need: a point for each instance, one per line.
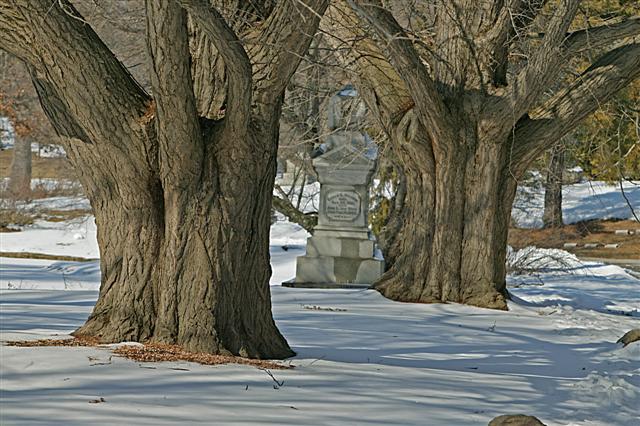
(339, 260)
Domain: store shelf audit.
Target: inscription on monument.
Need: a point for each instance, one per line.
(343, 206)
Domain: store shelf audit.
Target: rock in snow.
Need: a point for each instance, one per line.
(515, 420)
(630, 337)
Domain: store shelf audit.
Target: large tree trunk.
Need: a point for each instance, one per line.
(183, 284)
(200, 280)
(20, 174)
(481, 114)
(182, 202)
(552, 216)
(451, 234)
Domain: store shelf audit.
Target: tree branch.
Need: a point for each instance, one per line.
(177, 124)
(511, 19)
(612, 72)
(534, 79)
(379, 83)
(284, 206)
(283, 41)
(239, 92)
(10, 38)
(407, 62)
(601, 36)
(85, 76)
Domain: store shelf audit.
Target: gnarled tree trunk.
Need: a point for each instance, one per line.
(182, 202)
(466, 114)
(450, 232)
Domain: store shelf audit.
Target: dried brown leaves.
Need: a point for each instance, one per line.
(76, 341)
(155, 352)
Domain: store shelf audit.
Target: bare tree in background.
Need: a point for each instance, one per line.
(181, 193)
(19, 106)
(552, 215)
(20, 173)
(470, 93)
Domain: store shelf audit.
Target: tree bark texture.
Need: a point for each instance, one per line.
(465, 117)
(445, 241)
(552, 216)
(182, 202)
(20, 173)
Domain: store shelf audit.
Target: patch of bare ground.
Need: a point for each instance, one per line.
(8, 228)
(41, 167)
(53, 215)
(11, 218)
(73, 342)
(155, 352)
(43, 256)
(588, 232)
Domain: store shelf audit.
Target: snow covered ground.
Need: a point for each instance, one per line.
(75, 237)
(361, 359)
(580, 201)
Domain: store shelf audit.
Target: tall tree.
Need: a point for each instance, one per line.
(19, 105)
(552, 215)
(182, 201)
(20, 173)
(462, 89)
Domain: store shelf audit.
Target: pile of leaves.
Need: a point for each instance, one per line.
(155, 352)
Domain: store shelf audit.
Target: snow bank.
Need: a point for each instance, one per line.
(581, 201)
(70, 238)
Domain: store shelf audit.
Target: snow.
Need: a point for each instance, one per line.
(34, 274)
(366, 361)
(68, 238)
(52, 185)
(374, 362)
(48, 151)
(581, 201)
(361, 359)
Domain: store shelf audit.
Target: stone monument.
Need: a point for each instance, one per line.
(341, 253)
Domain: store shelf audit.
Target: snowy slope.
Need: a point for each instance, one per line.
(581, 201)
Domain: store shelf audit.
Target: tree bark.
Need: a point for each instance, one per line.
(452, 227)
(182, 203)
(552, 216)
(465, 117)
(20, 174)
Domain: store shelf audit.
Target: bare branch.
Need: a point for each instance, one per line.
(177, 118)
(601, 36)
(407, 62)
(86, 78)
(612, 72)
(281, 44)
(542, 66)
(379, 83)
(213, 24)
(284, 206)
(512, 17)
